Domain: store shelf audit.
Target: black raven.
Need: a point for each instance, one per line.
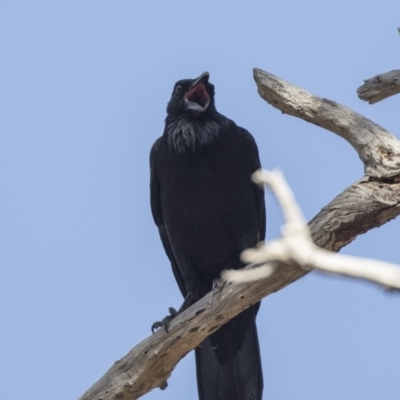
(208, 211)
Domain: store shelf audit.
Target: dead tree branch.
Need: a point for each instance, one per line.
(296, 246)
(367, 204)
(378, 149)
(380, 87)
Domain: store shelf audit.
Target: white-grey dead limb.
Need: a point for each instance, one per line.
(296, 246)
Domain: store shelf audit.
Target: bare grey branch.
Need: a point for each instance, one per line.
(361, 207)
(378, 149)
(380, 87)
(296, 246)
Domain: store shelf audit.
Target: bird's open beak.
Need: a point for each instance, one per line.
(197, 97)
(203, 78)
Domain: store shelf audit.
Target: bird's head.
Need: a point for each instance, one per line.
(192, 96)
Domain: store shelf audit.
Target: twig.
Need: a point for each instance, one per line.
(296, 246)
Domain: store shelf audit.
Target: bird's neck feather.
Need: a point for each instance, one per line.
(189, 133)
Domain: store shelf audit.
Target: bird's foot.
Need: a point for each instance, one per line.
(164, 323)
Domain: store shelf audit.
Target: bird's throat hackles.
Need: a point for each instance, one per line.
(188, 133)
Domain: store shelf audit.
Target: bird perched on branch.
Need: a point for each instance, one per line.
(208, 211)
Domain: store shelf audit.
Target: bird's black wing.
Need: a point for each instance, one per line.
(156, 210)
(262, 215)
(255, 163)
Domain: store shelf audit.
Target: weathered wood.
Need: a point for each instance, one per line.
(378, 149)
(296, 245)
(361, 207)
(364, 205)
(380, 87)
(367, 204)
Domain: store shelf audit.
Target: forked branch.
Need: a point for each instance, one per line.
(378, 149)
(296, 246)
(367, 204)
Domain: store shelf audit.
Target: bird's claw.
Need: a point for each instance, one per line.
(189, 300)
(164, 323)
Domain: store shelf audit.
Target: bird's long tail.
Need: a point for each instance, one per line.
(228, 362)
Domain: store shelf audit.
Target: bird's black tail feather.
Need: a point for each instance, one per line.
(228, 362)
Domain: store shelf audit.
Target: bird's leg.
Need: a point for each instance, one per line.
(165, 321)
(187, 302)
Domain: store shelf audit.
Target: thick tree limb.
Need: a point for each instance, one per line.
(367, 204)
(378, 149)
(296, 246)
(363, 206)
(380, 87)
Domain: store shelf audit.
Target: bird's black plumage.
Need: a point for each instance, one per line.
(208, 211)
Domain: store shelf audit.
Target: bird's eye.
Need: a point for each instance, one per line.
(178, 89)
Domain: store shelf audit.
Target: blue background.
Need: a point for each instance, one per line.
(83, 90)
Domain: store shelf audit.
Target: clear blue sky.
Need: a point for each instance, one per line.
(83, 90)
